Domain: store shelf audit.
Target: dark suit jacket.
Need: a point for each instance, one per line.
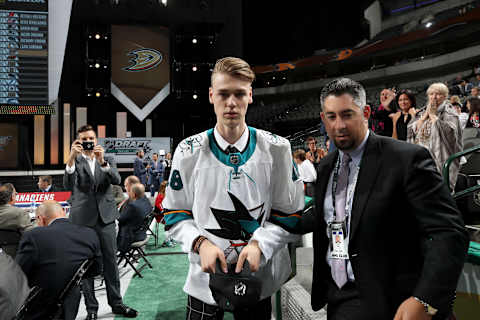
(155, 173)
(50, 255)
(407, 237)
(92, 197)
(130, 223)
(139, 170)
(13, 286)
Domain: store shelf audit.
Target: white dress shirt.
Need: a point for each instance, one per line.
(356, 156)
(91, 164)
(240, 144)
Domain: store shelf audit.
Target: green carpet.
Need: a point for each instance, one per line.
(159, 294)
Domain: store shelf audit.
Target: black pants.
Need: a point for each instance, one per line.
(198, 310)
(108, 243)
(343, 304)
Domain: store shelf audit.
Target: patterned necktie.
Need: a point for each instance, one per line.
(339, 266)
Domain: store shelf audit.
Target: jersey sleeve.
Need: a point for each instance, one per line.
(288, 202)
(178, 202)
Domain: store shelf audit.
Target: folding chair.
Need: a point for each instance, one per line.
(9, 240)
(147, 222)
(34, 291)
(136, 249)
(57, 307)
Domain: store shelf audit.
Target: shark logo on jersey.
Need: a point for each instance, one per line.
(238, 224)
(144, 59)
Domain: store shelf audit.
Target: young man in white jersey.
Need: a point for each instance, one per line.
(233, 195)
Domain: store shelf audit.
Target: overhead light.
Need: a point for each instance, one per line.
(97, 36)
(194, 68)
(164, 2)
(98, 94)
(97, 65)
(429, 24)
(195, 97)
(194, 40)
(105, 67)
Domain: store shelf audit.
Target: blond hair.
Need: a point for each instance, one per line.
(439, 87)
(234, 67)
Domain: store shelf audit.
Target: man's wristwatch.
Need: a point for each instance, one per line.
(104, 164)
(428, 308)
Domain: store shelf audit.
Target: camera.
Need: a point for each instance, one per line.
(87, 145)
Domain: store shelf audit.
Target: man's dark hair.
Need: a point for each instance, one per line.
(6, 191)
(310, 139)
(85, 128)
(341, 86)
(47, 179)
(155, 154)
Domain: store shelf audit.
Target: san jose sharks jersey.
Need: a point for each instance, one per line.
(231, 199)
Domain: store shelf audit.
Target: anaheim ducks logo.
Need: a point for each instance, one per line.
(144, 59)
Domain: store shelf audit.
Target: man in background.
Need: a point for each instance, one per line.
(140, 167)
(132, 217)
(51, 254)
(90, 175)
(11, 217)
(155, 174)
(45, 184)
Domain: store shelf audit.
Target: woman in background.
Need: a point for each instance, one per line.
(407, 103)
(438, 129)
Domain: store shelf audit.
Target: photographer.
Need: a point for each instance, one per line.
(89, 176)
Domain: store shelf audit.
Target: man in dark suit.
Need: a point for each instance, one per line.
(155, 174)
(51, 254)
(140, 167)
(13, 286)
(389, 242)
(45, 184)
(90, 177)
(132, 218)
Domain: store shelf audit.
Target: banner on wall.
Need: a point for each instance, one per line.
(29, 201)
(140, 67)
(124, 150)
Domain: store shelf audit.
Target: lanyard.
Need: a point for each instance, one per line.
(348, 200)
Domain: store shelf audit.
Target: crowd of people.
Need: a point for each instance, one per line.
(235, 198)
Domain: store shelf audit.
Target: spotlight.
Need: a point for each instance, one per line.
(195, 97)
(429, 24)
(97, 65)
(194, 68)
(105, 67)
(89, 94)
(106, 37)
(194, 40)
(98, 94)
(89, 36)
(97, 36)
